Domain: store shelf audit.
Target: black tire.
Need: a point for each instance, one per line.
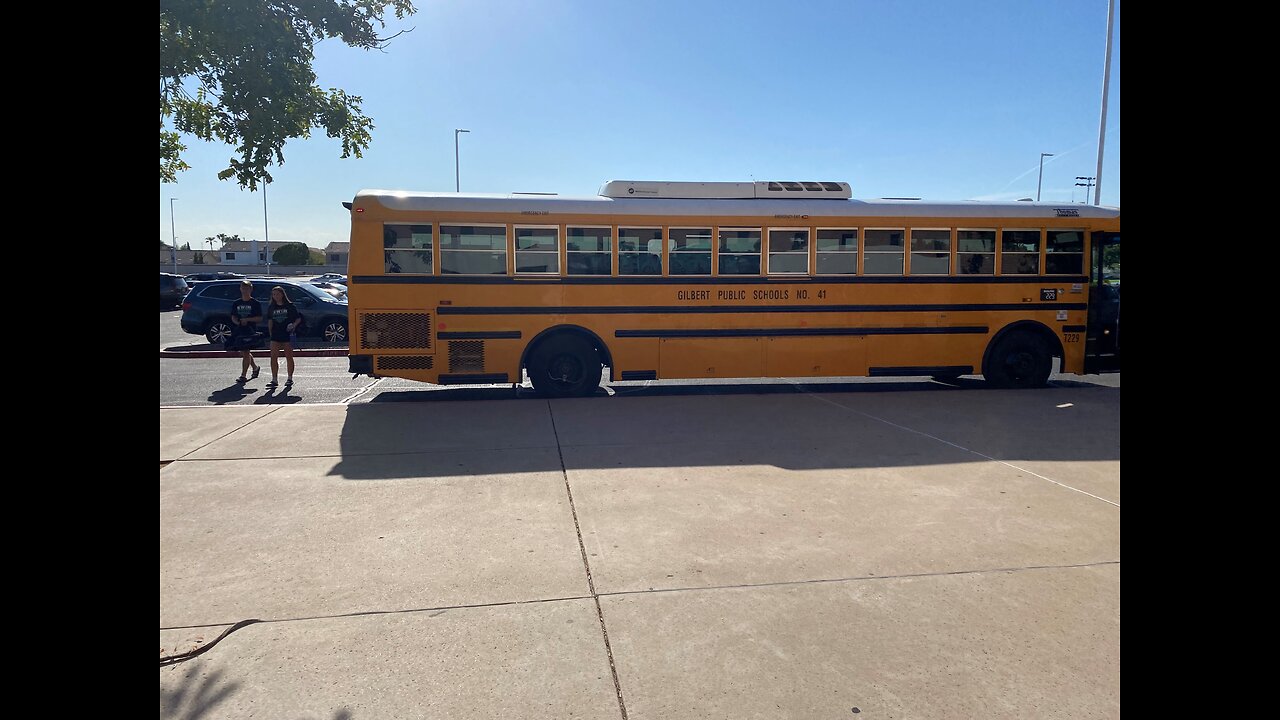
(334, 330)
(1018, 360)
(565, 366)
(217, 332)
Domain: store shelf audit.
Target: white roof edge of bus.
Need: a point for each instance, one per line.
(760, 207)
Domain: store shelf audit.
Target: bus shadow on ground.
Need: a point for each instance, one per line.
(466, 432)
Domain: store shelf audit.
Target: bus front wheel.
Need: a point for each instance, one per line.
(1018, 360)
(565, 366)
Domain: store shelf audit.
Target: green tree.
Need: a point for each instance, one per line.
(239, 72)
(198, 258)
(291, 254)
(185, 246)
(223, 238)
(317, 256)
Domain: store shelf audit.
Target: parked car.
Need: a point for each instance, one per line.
(204, 277)
(332, 277)
(172, 289)
(207, 309)
(337, 290)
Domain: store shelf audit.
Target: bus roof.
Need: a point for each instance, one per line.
(746, 207)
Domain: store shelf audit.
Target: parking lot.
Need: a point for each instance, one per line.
(869, 549)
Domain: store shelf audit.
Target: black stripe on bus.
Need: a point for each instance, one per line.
(746, 309)
(1074, 328)
(763, 280)
(492, 335)
(472, 378)
(639, 374)
(921, 370)
(800, 332)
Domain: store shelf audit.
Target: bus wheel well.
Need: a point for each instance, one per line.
(560, 330)
(1021, 356)
(1032, 327)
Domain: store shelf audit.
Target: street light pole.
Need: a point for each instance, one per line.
(1106, 84)
(173, 250)
(265, 230)
(1042, 157)
(457, 184)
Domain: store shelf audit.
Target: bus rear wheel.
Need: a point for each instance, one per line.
(565, 366)
(1018, 360)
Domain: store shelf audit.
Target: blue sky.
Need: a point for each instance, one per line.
(939, 100)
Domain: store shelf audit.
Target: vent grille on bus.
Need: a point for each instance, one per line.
(466, 356)
(395, 331)
(405, 362)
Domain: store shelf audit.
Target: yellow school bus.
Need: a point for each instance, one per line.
(658, 280)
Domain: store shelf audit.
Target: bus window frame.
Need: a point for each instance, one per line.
(617, 250)
(613, 248)
(906, 250)
(670, 249)
(1001, 253)
(857, 254)
(1084, 245)
(951, 251)
(759, 254)
(809, 257)
(509, 250)
(435, 247)
(995, 250)
(559, 253)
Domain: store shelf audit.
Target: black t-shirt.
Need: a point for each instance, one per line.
(246, 309)
(280, 317)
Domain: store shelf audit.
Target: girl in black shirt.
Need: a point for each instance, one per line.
(282, 319)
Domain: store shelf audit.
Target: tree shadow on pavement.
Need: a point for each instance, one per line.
(196, 695)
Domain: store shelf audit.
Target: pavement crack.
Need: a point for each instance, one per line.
(591, 585)
(859, 578)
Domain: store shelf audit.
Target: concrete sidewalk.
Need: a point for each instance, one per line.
(950, 553)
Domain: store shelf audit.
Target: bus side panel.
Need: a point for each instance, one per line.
(633, 355)
(925, 351)
(815, 356)
(711, 357)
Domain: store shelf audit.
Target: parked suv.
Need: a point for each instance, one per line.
(207, 309)
(172, 288)
(206, 276)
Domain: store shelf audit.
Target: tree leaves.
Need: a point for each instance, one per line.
(250, 64)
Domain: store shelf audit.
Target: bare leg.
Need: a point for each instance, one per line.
(288, 356)
(275, 360)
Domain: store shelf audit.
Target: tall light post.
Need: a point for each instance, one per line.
(1106, 84)
(266, 232)
(457, 184)
(173, 249)
(1042, 157)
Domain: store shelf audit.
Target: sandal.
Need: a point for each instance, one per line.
(256, 370)
(242, 379)
(288, 383)
(273, 383)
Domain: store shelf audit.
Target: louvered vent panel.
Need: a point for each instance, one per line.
(405, 362)
(466, 356)
(395, 331)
